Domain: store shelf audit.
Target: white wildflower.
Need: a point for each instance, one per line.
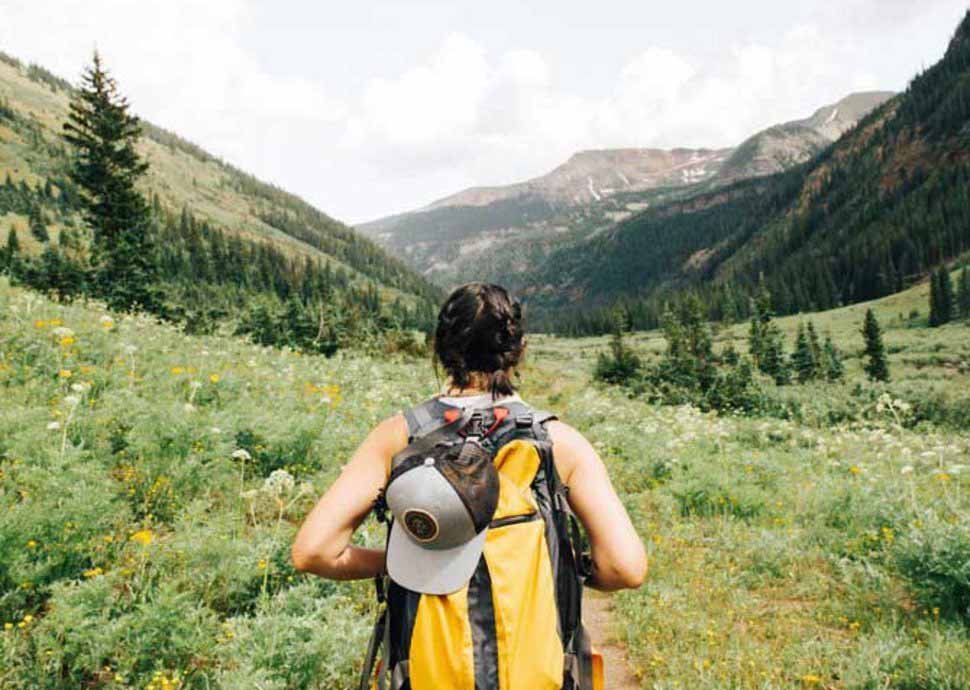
(63, 332)
(129, 349)
(241, 454)
(72, 400)
(279, 482)
(906, 470)
(53, 426)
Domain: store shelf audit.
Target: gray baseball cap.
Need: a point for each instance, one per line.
(442, 501)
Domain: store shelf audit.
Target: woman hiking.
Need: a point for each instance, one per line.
(484, 566)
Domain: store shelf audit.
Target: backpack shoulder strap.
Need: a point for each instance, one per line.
(424, 417)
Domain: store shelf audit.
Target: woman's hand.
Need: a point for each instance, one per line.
(322, 546)
(619, 559)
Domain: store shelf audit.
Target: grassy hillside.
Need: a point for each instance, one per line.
(145, 520)
(182, 175)
(863, 219)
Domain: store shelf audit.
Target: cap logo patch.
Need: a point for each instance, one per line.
(420, 524)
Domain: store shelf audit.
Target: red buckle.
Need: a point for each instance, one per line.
(500, 414)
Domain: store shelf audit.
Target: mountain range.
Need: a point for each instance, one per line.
(495, 233)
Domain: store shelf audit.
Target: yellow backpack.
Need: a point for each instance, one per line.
(517, 624)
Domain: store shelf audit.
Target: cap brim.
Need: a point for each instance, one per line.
(431, 571)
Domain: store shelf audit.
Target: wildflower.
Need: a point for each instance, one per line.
(906, 470)
(188, 407)
(39, 324)
(241, 454)
(67, 341)
(143, 537)
(262, 564)
(8, 626)
(855, 469)
(93, 572)
(107, 323)
(71, 400)
(176, 371)
(31, 544)
(53, 426)
(65, 373)
(810, 679)
(214, 378)
(279, 482)
(129, 349)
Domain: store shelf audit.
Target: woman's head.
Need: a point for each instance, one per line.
(479, 337)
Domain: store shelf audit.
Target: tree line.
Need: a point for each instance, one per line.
(130, 251)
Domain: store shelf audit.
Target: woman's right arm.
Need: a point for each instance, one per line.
(619, 559)
(322, 545)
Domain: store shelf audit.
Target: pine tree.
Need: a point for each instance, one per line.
(814, 345)
(106, 166)
(947, 299)
(803, 358)
(773, 360)
(832, 360)
(10, 257)
(760, 316)
(877, 366)
(38, 228)
(935, 312)
(963, 293)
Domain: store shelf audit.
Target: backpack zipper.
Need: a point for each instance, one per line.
(513, 520)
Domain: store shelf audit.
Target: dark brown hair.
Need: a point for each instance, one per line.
(480, 331)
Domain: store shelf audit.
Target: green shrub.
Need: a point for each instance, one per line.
(934, 557)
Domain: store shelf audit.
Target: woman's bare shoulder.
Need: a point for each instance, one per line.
(569, 447)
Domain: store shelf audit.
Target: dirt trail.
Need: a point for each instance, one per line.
(596, 616)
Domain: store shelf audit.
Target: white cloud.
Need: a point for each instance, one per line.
(182, 65)
(403, 133)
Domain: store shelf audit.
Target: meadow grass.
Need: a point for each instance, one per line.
(151, 484)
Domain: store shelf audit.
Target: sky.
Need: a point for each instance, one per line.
(372, 108)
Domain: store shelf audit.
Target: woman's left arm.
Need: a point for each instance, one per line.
(322, 546)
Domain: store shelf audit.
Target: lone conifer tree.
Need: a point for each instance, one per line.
(11, 252)
(803, 359)
(834, 369)
(947, 300)
(943, 303)
(106, 166)
(876, 366)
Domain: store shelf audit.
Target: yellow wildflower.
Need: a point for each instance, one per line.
(214, 378)
(810, 679)
(65, 373)
(143, 537)
(67, 341)
(262, 564)
(40, 324)
(31, 544)
(855, 469)
(178, 370)
(93, 572)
